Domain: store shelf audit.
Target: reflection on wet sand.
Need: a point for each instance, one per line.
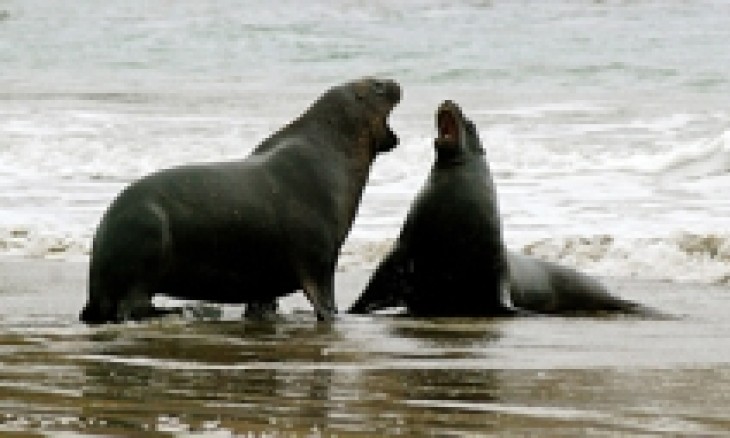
(370, 376)
(385, 376)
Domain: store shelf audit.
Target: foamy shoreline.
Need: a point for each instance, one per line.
(681, 257)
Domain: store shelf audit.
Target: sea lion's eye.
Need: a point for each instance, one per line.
(379, 88)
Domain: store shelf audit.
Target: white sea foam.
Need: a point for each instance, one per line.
(592, 129)
(683, 257)
(705, 158)
(32, 242)
(554, 202)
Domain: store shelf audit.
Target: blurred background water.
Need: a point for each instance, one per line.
(606, 123)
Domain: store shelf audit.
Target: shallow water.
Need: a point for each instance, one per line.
(380, 375)
(607, 128)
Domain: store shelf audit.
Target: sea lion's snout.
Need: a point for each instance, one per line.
(391, 91)
(385, 88)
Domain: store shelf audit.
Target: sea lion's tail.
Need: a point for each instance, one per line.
(632, 308)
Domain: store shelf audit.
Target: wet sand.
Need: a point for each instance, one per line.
(216, 375)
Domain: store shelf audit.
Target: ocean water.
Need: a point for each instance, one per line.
(606, 123)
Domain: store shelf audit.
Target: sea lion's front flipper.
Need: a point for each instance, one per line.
(321, 295)
(386, 287)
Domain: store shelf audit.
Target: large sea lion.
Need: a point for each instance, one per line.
(246, 231)
(450, 260)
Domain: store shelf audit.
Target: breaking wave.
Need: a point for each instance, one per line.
(683, 257)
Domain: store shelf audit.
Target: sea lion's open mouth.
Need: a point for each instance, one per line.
(447, 125)
(387, 94)
(392, 139)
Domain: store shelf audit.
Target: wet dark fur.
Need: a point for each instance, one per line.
(543, 287)
(246, 231)
(449, 259)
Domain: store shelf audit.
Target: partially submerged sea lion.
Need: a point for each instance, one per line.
(450, 260)
(246, 231)
(544, 287)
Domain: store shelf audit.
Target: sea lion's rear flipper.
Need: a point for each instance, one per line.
(124, 273)
(386, 287)
(261, 310)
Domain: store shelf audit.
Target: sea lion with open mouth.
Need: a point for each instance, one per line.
(450, 260)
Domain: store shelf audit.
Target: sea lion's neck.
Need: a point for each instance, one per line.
(448, 159)
(344, 147)
(454, 157)
(359, 163)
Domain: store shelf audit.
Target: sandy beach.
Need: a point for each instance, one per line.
(361, 376)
